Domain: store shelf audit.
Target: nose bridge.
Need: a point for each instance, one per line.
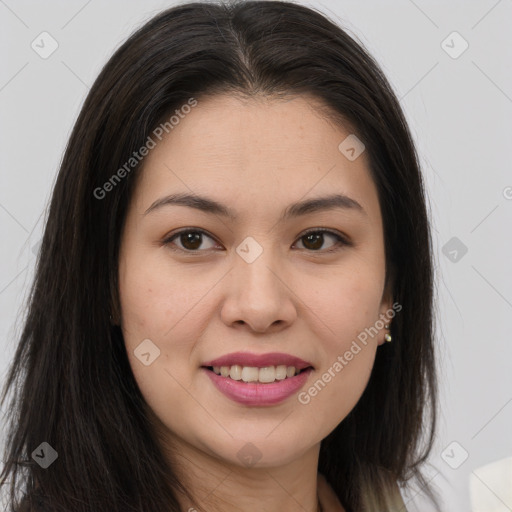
(256, 265)
(257, 295)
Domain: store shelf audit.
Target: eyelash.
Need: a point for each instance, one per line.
(341, 240)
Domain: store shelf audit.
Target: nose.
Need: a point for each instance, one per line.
(259, 295)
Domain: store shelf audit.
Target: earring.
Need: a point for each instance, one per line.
(387, 336)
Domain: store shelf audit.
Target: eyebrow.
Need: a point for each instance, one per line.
(207, 205)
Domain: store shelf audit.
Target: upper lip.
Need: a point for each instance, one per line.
(259, 360)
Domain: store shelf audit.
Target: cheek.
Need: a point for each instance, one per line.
(343, 310)
(156, 297)
(343, 307)
(337, 388)
(161, 304)
(154, 316)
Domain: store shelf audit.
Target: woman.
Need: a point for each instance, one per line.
(232, 308)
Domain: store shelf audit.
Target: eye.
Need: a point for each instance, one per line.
(190, 240)
(313, 240)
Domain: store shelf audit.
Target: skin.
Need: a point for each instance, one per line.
(256, 156)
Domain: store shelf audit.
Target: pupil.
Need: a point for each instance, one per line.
(190, 238)
(316, 238)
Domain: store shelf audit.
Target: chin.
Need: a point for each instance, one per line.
(261, 452)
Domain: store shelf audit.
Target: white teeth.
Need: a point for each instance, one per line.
(281, 372)
(266, 374)
(236, 372)
(249, 374)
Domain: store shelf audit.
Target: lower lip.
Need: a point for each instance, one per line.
(252, 393)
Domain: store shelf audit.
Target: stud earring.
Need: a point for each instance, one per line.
(387, 336)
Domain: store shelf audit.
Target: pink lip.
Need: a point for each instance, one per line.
(250, 393)
(259, 360)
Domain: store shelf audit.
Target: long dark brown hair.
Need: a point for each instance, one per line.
(71, 382)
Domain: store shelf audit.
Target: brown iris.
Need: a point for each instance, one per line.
(191, 240)
(315, 238)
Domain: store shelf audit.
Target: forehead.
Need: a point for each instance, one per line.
(270, 150)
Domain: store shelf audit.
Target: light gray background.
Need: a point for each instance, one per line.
(459, 111)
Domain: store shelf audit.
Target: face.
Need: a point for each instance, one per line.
(197, 284)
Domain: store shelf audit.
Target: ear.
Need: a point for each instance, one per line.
(386, 306)
(387, 298)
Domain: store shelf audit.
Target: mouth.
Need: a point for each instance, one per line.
(251, 367)
(258, 380)
(258, 386)
(255, 374)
